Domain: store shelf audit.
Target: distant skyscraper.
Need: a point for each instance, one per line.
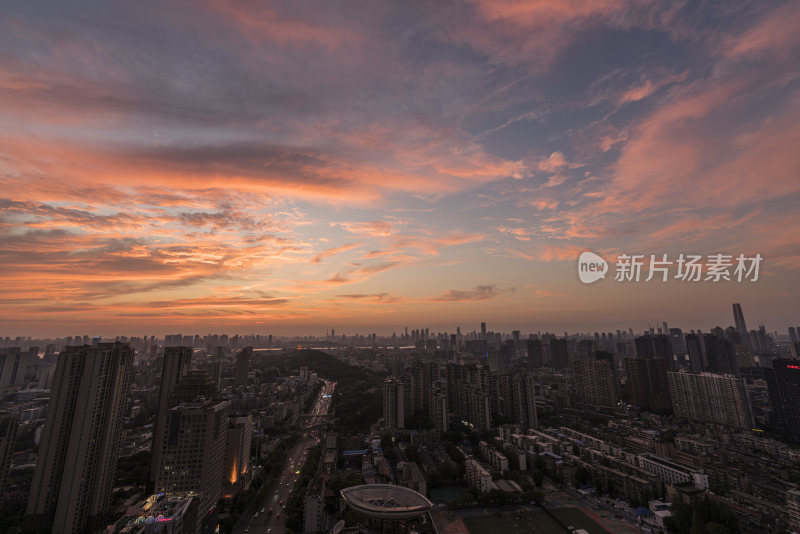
(738, 319)
(80, 442)
(644, 346)
(647, 384)
(595, 383)
(193, 452)
(393, 403)
(437, 407)
(243, 365)
(662, 345)
(559, 356)
(14, 365)
(792, 334)
(678, 343)
(483, 330)
(177, 361)
(710, 398)
(787, 378)
(720, 354)
(695, 353)
(524, 401)
(535, 356)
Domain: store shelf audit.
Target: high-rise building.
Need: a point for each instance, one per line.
(8, 439)
(14, 365)
(479, 413)
(710, 398)
(177, 361)
(741, 327)
(595, 383)
(559, 356)
(80, 442)
(535, 356)
(647, 384)
(438, 409)
(523, 394)
(644, 346)
(243, 365)
(677, 340)
(787, 379)
(695, 352)
(720, 354)
(237, 449)
(196, 384)
(793, 335)
(193, 451)
(662, 345)
(393, 403)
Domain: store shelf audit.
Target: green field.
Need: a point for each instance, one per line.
(575, 518)
(537, 522)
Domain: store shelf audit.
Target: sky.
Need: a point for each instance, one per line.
(289, 167)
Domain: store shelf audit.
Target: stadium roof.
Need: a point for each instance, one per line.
(386, 501)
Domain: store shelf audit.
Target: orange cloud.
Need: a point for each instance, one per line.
(335, 250)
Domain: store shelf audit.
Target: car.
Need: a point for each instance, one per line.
(270, 512)
(281, 502)
(278, 514)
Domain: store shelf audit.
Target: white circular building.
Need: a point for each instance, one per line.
(386, 502)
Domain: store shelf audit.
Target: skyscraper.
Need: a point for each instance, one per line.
(535, 357)
(524, 401)
(695, 353)
(558, 354)
(193, 451)
(237, 449)
(177, 361)
(14, 365)
(82, 434)
(787, 378)
(647, 384)
(595, 383)
(393, 403)
(741, 327)
(720, 354)
(243, 365)
(710, 398)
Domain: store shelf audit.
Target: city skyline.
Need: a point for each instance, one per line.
(287, 168)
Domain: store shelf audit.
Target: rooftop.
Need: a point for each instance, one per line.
(386, 501)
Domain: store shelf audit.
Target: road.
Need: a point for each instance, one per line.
(274, 522)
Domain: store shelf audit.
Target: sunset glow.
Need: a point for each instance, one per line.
(293, 167)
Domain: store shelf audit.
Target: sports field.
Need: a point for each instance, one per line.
(537, 522)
